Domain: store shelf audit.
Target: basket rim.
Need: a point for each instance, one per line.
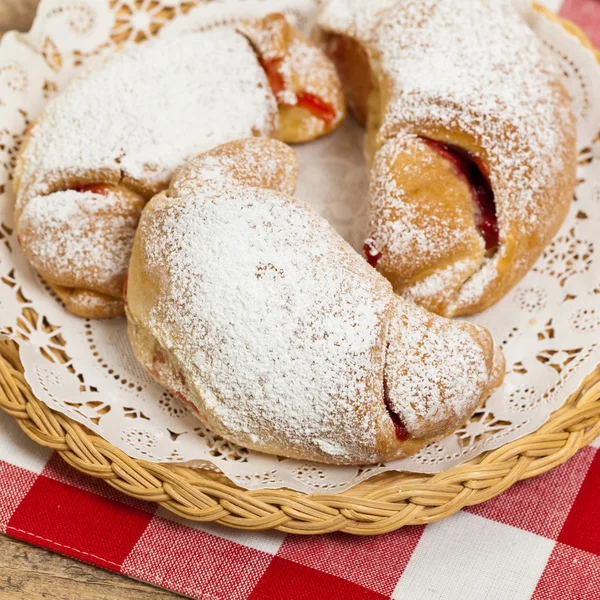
(397, 500)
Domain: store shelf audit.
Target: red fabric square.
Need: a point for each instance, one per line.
(14, 485)
(582, 527)
(285, 579)
(75, 522)
(192, 562)
(56, 468)
(540, 505)
(376, 562)
(586, 13)
(570, 573)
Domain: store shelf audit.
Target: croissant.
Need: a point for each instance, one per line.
(471, 140)
(250, 308)
(113, 138)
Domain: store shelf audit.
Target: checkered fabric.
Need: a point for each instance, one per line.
(539, 540)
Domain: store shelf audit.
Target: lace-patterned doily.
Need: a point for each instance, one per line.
(549, 325)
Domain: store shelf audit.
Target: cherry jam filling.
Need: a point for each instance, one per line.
(311, 102)
(371, 253)
(317, 106)
(399, 427)
(94, 188)
(271, 68)
(472, 169)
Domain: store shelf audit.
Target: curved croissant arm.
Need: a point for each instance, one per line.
(250, 308)
(82, 245)
(98, 152)
(471, 137)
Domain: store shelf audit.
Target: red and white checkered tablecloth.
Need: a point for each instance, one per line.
(540, 539)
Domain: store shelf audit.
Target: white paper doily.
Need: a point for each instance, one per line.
(549, 325)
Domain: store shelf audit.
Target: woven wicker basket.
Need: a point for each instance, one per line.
(381, 504)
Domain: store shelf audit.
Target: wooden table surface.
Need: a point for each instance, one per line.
(29, 573)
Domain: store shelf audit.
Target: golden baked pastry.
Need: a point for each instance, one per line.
(113, 138)
(303, 79)
(471, 137)
(249, 307)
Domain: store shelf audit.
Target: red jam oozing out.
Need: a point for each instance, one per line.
(475, 173)
(94, 188)
(271, 68)
(400, 428)
(371, 253)
(310, 102)
(401, 431)
(317, 107)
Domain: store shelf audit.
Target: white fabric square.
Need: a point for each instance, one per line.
(17, 449)
(467, 557)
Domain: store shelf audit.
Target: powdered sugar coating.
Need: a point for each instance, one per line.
(252, 162)
(91, 301)
(279, 342)
(472, 74)
(449, 278)
(84, 236)
(176, 99)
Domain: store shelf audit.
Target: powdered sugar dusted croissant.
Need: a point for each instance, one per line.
(471, 137)
(248, 306)
(112, 140)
